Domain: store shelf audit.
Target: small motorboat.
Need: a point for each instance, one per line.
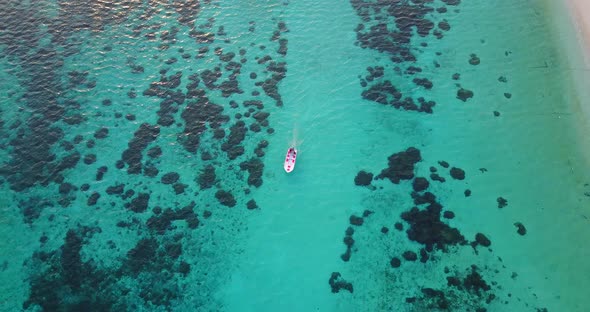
(290, 159)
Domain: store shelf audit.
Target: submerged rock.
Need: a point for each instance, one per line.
(420, 184)
(474, 59)
(93, 199)
(207, 177)
(141, 139)
(502, 202)
(410, 255)
(520, 228)
(464, 94)
(395, 262)
(170, 177)
(354, 220)
(255, 168)
(154, 152)
(140, 203)
(401, 165)
(363, 178)
(436, 177)
(337, 283)
(225, 198)
(101, 133)
(448, 214)
(481, 239)
(251, 204)
(457, 173)
(426, 228)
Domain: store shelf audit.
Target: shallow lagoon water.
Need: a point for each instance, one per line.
(192, 246)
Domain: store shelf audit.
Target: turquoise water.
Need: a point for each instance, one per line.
(251, 237)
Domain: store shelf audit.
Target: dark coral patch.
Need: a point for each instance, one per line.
(348, 241)
(436, 177)
(251, 204)
(116, 189)
(502, 202)
(101, 133)
(482, 240)
(444, 25)
(139, 256)
(423, 82)
(236, 136)
(401, 165)
(337, 283)
(392, 40)
(170, 177)
(150, 171)
(65, 188)
(464, 94)
(218, 134)
(474, 282)
(255, 168)
(225, 198)
(355, 220)
(89, 159)
(63, 270)
(382, 92)
(162, 222)
(363, 178)
(93, 199)
(234, 152)
(435, 299)
(207, 177)
(179, 188)
(457, 173)
(141, 138)
(184, 268)
(521, 230)
(410, 255)
(426, 228)
(448, 214)
(100, 172)
(154, 152)
(196, 115)
(140, 203)
(420, 184)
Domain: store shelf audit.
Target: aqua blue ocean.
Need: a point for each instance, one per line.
(442, 157)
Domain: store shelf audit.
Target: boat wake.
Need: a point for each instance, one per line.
(296, 142)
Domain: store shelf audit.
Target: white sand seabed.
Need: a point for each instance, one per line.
(572, 26)
(580, 13)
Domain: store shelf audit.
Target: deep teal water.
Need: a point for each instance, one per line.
(142, 147)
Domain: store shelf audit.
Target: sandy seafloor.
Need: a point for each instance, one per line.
(142, 148)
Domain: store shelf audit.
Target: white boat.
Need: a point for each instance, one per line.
(290, 159)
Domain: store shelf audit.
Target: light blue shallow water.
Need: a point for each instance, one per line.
(516, 139)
